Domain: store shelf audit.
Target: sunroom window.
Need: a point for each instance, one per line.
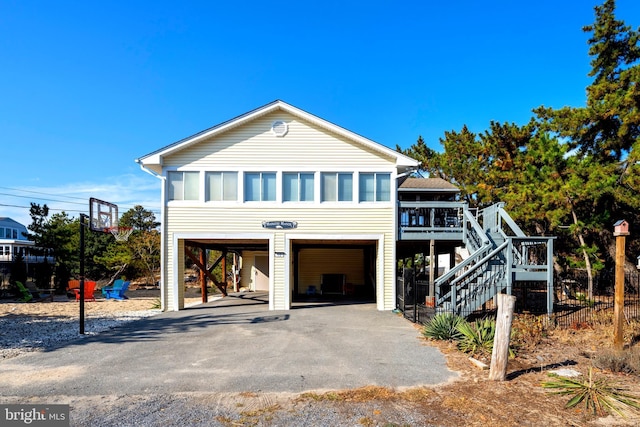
(375, 187)
(337, 187)
(260, 187)
(221, 186)
(183, 185)
(297, 187)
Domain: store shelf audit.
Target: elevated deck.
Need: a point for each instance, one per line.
(439, 220)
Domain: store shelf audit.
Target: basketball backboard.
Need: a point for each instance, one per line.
(103, 216)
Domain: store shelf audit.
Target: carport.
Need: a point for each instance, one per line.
(197, 251)
(291, 267)
(251, 260)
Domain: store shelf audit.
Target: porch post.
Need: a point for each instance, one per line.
(432, 271)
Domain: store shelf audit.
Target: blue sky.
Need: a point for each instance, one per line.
(88, 87)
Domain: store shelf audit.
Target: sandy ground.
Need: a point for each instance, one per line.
(63, 306)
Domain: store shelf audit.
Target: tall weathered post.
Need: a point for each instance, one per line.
(620, 231)
(500, 353)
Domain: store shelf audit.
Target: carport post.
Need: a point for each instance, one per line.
(203, 278)
(223, 268)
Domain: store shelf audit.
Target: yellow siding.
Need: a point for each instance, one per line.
(312, 220)
(305, 147)
(246, 279)
(254, 146)
(314, 262)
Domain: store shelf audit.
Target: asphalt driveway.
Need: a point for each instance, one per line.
(235, 345)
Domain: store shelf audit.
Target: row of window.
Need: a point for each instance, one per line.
(8, 233)
(7, 250)
(296, 186)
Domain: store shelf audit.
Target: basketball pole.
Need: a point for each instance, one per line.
(83, 218)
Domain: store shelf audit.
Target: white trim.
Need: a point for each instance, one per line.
(272, 275)
(380, 294)
(163, 246)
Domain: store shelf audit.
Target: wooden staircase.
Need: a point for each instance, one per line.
(500, 254)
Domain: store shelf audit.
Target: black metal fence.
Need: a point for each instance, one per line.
(572, 305)
(411, 296)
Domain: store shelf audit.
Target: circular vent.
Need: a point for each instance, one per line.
(279, 128)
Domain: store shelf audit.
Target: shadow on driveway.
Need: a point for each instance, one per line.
(235, 344)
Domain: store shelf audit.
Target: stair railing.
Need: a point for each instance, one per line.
(475, 285)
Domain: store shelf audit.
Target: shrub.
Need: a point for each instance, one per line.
(444, 326)
(477, 337)
(528, 331)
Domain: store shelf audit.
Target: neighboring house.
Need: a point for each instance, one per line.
(13, 240)
(310, 206)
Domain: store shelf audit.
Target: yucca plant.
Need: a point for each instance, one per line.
(598, 396)
(477, 337)
(444, 326)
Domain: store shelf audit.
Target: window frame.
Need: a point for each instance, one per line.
(377, 196)
(224, 175)
(338, 191)
(263, 185)
(300, 178)
(195, 177)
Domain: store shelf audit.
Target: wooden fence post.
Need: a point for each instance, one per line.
(500, 353)
(620, 231)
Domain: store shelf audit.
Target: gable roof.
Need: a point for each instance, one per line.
(5, 221)
(11, 223)
(156, 157)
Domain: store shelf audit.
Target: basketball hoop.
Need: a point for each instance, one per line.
(121, 233)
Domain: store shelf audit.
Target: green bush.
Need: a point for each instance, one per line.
(444, 326)
(477, 337)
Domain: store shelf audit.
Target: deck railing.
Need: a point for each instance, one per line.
(431, 220)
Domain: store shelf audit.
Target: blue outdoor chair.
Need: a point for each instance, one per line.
(116, 291)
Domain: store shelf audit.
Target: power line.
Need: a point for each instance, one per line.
(41, 198)
(153, 209)
(50, 208)
(40, 192)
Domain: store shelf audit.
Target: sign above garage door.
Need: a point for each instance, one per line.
(279, 224)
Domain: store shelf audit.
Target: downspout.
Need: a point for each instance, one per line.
(408, 172)
(163, 222)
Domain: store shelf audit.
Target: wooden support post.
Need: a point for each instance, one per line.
(203, 267)
(234, 271)
(500, 354)
(618, 305)
(203, 277)
(223, 268)
(432, 268)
